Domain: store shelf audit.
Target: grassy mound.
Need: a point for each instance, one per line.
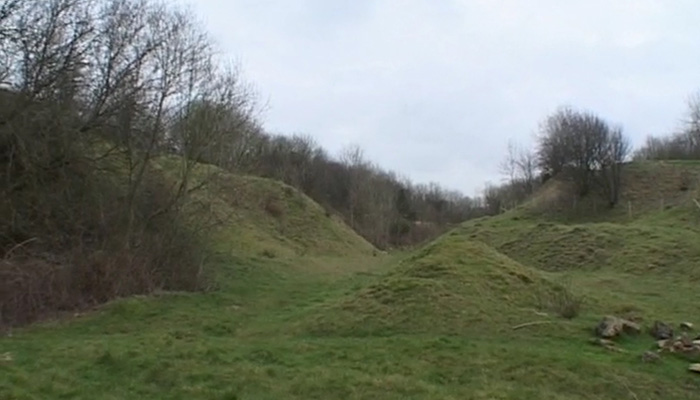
(449, 287)
(263, 218)
(273, 219)
(653, 228)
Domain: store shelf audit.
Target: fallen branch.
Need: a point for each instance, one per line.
(516, 327)
(696, 203)
(634, 395)
(17, 246)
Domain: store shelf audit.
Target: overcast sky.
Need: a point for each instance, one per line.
(435, 89)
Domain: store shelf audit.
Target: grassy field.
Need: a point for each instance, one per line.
(305, 309)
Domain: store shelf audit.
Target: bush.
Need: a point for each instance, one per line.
(562, 301)
(273, 207)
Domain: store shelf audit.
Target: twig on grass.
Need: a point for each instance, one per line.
(516, 327)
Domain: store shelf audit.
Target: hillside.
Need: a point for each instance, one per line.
(624, 262)
(304, 309)
(637, 236)
(258, 217)
(649, 189)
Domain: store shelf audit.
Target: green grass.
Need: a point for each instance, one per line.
(638, 248)
(451, 287)
(304, 310)
(244, 343)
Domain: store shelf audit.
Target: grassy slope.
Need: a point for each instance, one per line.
(450, 287)
(648, 188)
(648, 260)
(262, 218)
(291, 321)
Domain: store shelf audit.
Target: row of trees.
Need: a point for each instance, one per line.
(386, 209)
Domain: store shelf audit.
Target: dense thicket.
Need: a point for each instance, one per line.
(94, 92)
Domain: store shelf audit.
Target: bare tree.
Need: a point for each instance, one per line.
(692, 125)
(520, 167)
(682, 145)
(352, 156)
(493, 199)
(576, 142)
(509, 166)
(615, 153)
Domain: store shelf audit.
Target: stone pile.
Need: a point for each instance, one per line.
(684, 344)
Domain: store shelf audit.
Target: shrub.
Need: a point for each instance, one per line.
(562, 301)
(85, 251)
(273, 207)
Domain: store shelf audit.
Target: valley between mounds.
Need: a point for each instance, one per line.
(302, 308)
